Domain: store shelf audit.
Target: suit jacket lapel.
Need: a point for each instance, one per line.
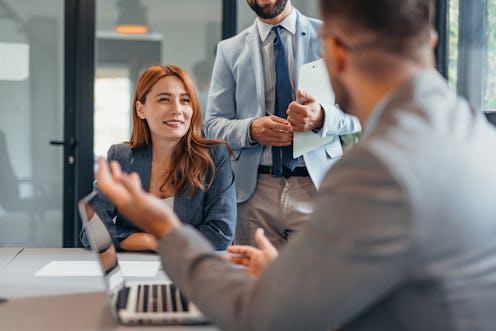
(253, 42)
(141, 163)
(302, 41)
(181, 204)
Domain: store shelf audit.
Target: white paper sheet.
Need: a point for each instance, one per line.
(315, 81)
(91, 268)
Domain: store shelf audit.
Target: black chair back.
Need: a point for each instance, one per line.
(491, 116)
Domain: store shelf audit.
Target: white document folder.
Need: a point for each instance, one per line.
(315, 81)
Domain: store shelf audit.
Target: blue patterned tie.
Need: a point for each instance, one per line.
(284, 96)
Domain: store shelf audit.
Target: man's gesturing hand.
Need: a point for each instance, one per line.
(255, 259)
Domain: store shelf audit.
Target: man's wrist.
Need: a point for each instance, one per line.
(163, 228)
(251, 141)
(320, 120)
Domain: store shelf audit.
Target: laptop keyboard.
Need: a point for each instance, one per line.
(122, 298)
(160, 298)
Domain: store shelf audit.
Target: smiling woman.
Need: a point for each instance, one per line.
(164, 106)
(174, 162)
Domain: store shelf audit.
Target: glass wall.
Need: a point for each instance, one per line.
(490, 76)
(31, 85)
(472, 51)
(184, 33)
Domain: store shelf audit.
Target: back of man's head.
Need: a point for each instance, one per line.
(397, 25)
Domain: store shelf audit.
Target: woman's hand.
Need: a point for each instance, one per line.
(139, 242)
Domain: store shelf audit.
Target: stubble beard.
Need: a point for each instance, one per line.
(268, 11)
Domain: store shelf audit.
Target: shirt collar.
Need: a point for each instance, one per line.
(289, 23)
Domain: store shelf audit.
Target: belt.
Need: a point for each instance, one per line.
(286, 172)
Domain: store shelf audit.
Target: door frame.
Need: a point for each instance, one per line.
(78, 112)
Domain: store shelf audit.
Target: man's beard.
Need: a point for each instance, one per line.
(268, 11)
(342, 94)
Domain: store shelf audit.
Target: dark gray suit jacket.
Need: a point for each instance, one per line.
(402, 237)
(212, 213)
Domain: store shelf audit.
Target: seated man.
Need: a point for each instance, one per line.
(402, 237)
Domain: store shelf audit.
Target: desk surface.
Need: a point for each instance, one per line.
(17, 278)
(59, 303)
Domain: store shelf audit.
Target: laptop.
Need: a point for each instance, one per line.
(152, 302)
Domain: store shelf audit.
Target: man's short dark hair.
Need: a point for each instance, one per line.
(397, 21)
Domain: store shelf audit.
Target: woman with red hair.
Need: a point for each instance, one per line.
(174, 163)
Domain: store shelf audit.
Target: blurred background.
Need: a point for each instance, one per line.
(67, 74)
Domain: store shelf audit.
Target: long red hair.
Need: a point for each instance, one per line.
(191, 161)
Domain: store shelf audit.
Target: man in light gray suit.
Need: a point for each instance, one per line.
(403, 234)
(242, 109)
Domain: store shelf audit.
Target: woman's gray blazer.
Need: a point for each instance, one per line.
(212, 213)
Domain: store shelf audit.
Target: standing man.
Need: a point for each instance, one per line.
(403, 234)
(253, 84)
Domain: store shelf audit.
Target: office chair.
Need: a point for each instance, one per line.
(491, 116)
(10, 198)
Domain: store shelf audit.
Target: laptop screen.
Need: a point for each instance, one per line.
(138, 302)
(101, 244)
